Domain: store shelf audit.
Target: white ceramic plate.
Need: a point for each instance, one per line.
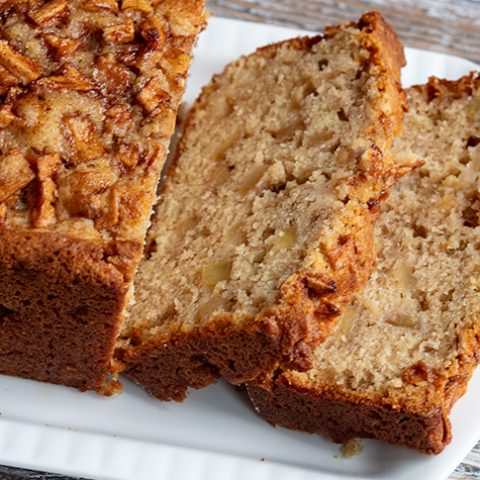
(215, 434)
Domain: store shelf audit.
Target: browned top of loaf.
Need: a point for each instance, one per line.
(266, 212)
(88, 96)
(409, 340)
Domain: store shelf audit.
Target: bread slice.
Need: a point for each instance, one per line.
(89, 91)
(264, 226)
(404, 350)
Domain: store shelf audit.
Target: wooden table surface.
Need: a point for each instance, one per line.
(449, 26)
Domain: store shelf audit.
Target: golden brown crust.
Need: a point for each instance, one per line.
(386, 52)
(88, 96)
(439, 87)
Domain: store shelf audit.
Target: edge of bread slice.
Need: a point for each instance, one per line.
(264, 227)
(403, 352)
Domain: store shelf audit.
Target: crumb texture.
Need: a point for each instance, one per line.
(270, 212)
(421, 299)
(88, 96)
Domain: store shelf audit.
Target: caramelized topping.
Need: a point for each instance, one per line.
(139, 5)
(152, 95)
(44, 213)
(152, 31)
(68, 78)
(17, 64)
(120, 33)
(88, 100)
(87, 144)
(6, 116)
(99, 5)
(15, 174)
(50, 11)
(61, 46)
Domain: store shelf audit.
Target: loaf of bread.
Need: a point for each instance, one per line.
(264, 227)
(89, 91)
(403, 352)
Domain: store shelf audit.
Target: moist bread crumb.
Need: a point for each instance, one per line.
(404, 350)
(89, 91)
(264, 227)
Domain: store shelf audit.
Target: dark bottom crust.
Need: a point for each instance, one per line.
(60, 310)
(342, 420)
(196, 359)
